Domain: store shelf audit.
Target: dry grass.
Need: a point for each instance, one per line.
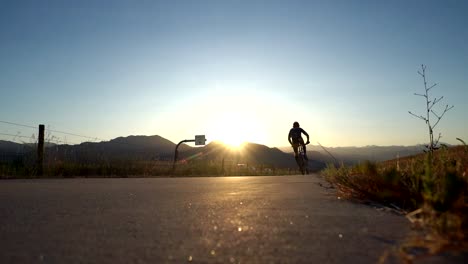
(430, 188)
(26, 168)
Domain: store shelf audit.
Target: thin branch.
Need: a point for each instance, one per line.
(423, 95)
(434, 85)
(437, 140)
(433, 112)
(447, 108)
(336, 161)
(420, 116)
(435, 102)
(436, 123)
(461, 140)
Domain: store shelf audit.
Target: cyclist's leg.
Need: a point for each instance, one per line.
(305, 152)
(297, 157)
(295, 147)
(304, 148)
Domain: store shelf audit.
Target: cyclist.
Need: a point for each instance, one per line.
(295, 139)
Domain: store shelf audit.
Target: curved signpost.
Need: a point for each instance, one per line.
(199, 141)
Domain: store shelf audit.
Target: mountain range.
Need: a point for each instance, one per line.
(156, 148)
(355, 155)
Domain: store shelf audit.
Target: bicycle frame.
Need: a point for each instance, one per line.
(301, 160)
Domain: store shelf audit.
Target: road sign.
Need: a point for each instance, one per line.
(200, 140)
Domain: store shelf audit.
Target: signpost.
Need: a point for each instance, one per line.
(40, 151)
(199, 140)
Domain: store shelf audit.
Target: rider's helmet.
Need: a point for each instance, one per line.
(296, 124)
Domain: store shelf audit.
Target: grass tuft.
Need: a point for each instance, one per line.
(431, 188)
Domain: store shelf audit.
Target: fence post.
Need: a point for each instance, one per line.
(222, 168)
(199, 140)
(40, 151)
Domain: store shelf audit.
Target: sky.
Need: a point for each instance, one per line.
(234, 71)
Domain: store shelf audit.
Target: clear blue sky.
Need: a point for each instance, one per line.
(233, 70)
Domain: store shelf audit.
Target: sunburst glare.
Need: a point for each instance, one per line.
(235, 129)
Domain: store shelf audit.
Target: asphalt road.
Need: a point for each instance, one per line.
(282, 219)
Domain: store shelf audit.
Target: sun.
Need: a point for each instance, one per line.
(235, 129)
(233, 141)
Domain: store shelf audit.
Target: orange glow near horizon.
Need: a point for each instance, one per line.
(235, 129)
(234, 144)
(232, 139)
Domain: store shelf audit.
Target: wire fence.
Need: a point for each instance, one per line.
(50, 137)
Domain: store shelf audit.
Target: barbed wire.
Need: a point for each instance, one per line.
(17, 124)
(52, 139)
(76, 135)
(59, 141)
(47, 140)
(16, 138)
(52, 130)
(13, 135)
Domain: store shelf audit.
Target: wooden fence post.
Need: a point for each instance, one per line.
(40, 151)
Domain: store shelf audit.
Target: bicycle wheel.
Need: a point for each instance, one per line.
(300, 163)
(305, 166)
(300, 159)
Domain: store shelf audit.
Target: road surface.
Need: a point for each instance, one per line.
(279, 219)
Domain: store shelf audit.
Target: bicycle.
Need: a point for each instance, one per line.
(301, 161)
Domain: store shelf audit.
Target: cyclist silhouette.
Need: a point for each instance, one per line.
(295, 139)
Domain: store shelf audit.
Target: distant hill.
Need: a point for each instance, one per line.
(354, 155)
(121, 148)
(250, 153)
(448, 153)
(10, 146)
(150, 148)
(10, 151)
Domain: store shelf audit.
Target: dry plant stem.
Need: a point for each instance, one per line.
(430, 103)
